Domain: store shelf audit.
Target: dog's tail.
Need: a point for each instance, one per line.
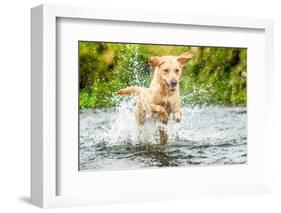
(133, 90)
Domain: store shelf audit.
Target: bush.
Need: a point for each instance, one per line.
(213, 76)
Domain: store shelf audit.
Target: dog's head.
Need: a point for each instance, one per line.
(169, 69)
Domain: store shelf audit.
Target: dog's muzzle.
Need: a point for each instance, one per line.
(173, 85)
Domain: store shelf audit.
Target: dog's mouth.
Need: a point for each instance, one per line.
(170, 87)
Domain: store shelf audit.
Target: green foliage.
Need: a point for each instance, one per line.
(213, 76)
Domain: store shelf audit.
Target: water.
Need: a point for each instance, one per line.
(111, 140)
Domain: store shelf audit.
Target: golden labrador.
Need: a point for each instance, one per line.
(162, 97)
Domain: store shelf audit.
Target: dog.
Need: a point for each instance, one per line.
(162, 98)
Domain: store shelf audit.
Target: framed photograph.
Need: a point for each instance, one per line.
(129, 106)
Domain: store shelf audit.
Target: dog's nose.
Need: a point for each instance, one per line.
(173, 83)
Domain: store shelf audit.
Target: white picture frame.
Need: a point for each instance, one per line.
(45, 168)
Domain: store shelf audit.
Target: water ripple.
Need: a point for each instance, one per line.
(110, 139)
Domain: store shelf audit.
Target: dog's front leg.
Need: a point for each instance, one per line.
(177, 116)
(163, 115)
(176, 109)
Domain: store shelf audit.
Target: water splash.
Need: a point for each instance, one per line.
(120, 126)
(209, 135)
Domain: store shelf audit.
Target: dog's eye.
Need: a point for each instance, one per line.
(166, 70)
(177, 70)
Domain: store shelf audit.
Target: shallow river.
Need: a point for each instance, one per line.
(110, 139)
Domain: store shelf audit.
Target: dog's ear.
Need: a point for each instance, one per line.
(184, 57)
(155, 61)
